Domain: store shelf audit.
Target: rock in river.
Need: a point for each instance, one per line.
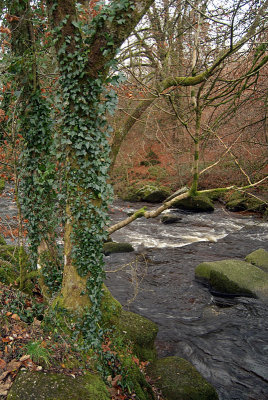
(259, 258)
(234, 277)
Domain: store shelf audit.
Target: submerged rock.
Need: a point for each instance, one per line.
(51, 386)
(170, 218)
(199, 203)
(179, 380)
(234, 277)
(259, 258)
(115, 247)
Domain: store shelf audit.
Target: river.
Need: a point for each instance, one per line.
(226, 339)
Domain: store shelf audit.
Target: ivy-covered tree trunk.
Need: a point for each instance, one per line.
(36, 171)
(85, 54)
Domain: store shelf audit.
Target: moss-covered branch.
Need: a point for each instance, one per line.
(138, 214)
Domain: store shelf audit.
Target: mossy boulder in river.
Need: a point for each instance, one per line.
(198, 203)
(51, 386)
(115, 247)
(259, 258)
(179, 380)
(234, 277)
(243, 202)
(150, 193)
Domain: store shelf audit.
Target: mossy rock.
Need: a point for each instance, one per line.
(234, 277)
(51, 386)
(141, 332)
(198, 203)
(170, 218)
(242, 202)
(259, 258)
(115, 247)
(216, 195)
(153, 194)
(149, 193)
(137, 380)
(179, 380)
(2, 185)
(111, 308)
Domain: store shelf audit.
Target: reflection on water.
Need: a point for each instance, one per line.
(226, 339)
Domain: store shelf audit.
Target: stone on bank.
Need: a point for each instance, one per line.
(179, 380)
(52, 386)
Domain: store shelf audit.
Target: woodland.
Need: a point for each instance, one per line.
(101, 99)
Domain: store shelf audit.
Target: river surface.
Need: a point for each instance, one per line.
(226, 339)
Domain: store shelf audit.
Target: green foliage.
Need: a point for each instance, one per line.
(2, 185)
(52, 272)
(18, 303)
(39, 354)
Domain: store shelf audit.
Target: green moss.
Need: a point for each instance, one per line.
(10, 264)
(234, 277)
(151, 193)
(2, 185)
(179, 380)
(241, 202)
(259, 258)
(138, 382)
(196, 203)
(48, 386)
(111, 308)
(7, 273)
(141, 332)
(114, 247)
(2, 241)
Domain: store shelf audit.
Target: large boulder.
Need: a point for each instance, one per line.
(150, 193)
(242, 202)
(179, 380)
(198, 203)
(259, 258)
(141, 332)
(52, 386)
(234, 277)
(117, 247)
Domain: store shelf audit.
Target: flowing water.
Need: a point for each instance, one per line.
(226, 339)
